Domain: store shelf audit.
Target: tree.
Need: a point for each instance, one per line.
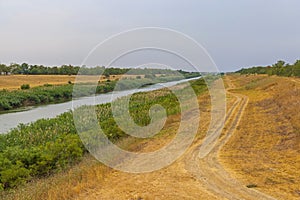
(279, 64)
(296, 69)
(280, 68)
(24, 68)
(277, 67)
(15, 68)
(106, 74)
(2, 68)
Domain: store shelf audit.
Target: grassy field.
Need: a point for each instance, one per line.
(15, 81)
(264, 152)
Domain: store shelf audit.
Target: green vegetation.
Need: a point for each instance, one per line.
(49, 145)
(38, 149)
(25, 68)
(280, 69)
(52, 94)
(38, 95)
(25, 87)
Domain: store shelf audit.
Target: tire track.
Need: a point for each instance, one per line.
(209, 170)
(190, 177)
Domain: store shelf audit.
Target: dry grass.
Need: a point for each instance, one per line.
(265, 150)
(63, 185)
(15, 81)
(171, 182)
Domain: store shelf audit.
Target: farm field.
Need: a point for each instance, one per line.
(12, 82)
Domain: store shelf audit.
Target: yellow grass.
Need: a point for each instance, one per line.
(265, 149)
(12, 82)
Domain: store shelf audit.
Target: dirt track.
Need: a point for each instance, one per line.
(190, 177)
(210, 171)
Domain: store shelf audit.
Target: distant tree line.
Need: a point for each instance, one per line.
(25, 68)
(280, 69)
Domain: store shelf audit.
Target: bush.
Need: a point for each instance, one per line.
(45, 94)
(5, 105)
(25, 87)
(14, 175)
(18, 165)
(150, 76)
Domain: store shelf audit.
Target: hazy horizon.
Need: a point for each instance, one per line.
(235, 34)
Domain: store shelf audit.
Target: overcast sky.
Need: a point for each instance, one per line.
(236, 33)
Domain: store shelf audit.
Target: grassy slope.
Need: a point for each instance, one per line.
(265, 149)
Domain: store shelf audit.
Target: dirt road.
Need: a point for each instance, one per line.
(210, 171)
(190, 177)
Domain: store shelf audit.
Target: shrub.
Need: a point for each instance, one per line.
(34, 98)
(14, 175)
(150, 76)
(4, 104)
(25, 87)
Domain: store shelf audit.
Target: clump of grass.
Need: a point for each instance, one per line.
(25, 87)
(47, 85)
(251, 186)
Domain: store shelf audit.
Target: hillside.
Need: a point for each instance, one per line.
(265, 149)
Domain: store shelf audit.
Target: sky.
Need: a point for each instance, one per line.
(236, 34)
